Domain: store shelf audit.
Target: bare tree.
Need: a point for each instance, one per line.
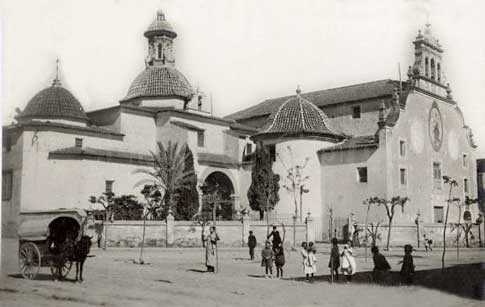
(390, 206)
(295, 180)
(452, 183)
(153, 203)
(107, 201)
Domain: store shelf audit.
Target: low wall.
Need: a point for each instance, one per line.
(408, 234)
(188, 233)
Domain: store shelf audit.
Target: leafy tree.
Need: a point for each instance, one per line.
(169, 175)
(187, 200)
(390, 206)
(107, 201)
(127, 207)
(263, 192)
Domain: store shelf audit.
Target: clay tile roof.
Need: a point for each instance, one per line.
(298, 116)
(109, 155)
(354, 143)
(54, 102)
(323, 98)
(160, 26)
(161, 81)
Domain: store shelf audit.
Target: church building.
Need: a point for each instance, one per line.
(383, 138)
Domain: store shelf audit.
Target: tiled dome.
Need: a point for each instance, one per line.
(160, 26)
(162, 81)
(299, 117)
(54, 102)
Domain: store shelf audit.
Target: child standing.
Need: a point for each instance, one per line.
(310, 265)
(251, 244)
(267, 259)
(407, 269)
(334, 262)
(279, 260)
(312, 255)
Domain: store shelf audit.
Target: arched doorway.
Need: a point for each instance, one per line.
(221, 184)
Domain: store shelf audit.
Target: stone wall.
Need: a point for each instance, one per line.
(188, 234)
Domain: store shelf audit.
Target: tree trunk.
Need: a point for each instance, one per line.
(444, 235)
(267, 217)
(261, 215)
(389, 233)
(458, 236)
(143, 238)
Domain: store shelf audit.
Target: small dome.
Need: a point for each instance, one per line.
(54, 102)
(160, 26)
(163, 81)
(299, 117)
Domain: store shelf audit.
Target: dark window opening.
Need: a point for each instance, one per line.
(437, 175)
(272, 152)
(78, 142)
(109, 187)
(433, 71)
(7, 185)
(466, 187)
(356, 112)
(362, 171)
(426, 67)
(200, 138)
(159, 51)
(438, 73)
(8, 143)
(438, 215)
(402, 148)
(403, 176)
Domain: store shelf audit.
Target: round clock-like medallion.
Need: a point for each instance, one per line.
(435, 127)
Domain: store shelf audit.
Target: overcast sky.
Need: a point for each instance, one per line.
(241, 52)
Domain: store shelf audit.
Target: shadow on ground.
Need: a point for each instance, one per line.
(42, 276)
(465, 280)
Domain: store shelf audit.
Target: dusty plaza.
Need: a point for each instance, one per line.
(177, 277)
(242, 153)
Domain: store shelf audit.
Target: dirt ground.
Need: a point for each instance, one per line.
(176, 277)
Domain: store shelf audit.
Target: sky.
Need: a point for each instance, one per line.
(238, 52)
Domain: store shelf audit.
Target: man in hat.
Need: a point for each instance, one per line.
(251, 244)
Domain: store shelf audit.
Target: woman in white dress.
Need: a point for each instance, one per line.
(348, 262)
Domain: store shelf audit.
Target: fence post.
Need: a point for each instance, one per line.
(169, 224)
(310, 228)
(245, 229)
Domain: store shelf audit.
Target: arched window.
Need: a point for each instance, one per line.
(426, 67)
(438, 73)
(159, 51)
(433, 71)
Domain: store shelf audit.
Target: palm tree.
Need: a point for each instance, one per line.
(169, 175)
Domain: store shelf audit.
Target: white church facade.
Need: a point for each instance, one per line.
(381, 138)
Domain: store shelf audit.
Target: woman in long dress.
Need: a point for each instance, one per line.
(211, 249)
(348, 262)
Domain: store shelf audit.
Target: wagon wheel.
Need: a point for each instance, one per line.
(29, 260)
(65, 268)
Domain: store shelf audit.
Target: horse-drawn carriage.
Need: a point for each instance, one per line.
(43, 238)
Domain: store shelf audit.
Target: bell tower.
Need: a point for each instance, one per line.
(427, 70)
(160, 35)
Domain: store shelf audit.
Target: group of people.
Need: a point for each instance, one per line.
(273, 252)
(347, 266)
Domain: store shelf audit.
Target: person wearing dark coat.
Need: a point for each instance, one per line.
(279, 260)
(276, 237)
(251, 244)
(381, 266)
(334, 262)
(407, 269)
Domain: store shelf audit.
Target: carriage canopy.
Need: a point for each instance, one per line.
(38, 225)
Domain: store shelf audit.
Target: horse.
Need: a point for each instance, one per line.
(79, 254)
